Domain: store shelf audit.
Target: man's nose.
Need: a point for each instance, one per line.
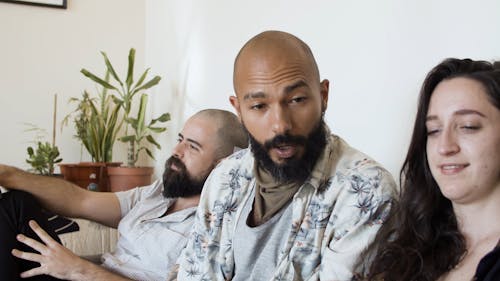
(281, 120)
(178, 150)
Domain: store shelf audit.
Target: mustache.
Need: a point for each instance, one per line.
(294, 170)
(284, 139)
(177, 162)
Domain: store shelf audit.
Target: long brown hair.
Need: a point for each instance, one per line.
(421, 240)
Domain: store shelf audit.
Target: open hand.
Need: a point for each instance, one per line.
(54, 259)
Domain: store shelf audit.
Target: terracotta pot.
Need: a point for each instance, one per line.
(88, 175)
(125, 178)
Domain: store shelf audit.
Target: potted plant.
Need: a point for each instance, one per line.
(97, 122)
(126, 177)
(122, 178)
(44, 155)
(43, 158)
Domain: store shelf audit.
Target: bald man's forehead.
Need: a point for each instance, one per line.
(200, 128)
(273, 47)
(269, 66)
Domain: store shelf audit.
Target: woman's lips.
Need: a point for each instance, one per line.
(452, 168)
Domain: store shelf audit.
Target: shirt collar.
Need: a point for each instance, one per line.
(323, 166)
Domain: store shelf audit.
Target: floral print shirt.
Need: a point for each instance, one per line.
(336, 214)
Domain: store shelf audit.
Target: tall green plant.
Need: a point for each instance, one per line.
(126, 89)
(142, 131)
(97, 124)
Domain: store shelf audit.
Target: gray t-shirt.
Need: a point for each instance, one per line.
(257, 249)
(149, 243)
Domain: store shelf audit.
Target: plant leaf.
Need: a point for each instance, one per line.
(149, 153)
(97, 79)
(163, 118)
(117, 100)
(130, 70)
(157, 129)
(148, 84)
(110, 68)
(141, 79)
(127, 138)
(153, 141)
(141, 114)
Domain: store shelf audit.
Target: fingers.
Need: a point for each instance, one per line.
(31, 257)
(39, 247)
(51, 255)
(41, 233)
(33, 272)
(27, 256)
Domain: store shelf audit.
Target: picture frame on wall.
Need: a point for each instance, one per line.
(61, 4)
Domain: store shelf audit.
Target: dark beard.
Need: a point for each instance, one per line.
(295, 169)
(180, 183)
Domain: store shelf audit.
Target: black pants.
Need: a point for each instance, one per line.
(17, 208)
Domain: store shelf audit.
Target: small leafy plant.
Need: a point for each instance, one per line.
(44, 158)
(44, 155)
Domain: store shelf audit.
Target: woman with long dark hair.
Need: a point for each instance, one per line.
(446, 223)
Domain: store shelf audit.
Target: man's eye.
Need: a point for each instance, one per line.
(298, 99)
(193, 147)
(179, 140)
(257, 106)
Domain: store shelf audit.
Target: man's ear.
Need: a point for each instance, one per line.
(236, 105)
(324, 89)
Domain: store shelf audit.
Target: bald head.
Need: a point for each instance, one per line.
(230, 133)
(280, 99)
(277, 45)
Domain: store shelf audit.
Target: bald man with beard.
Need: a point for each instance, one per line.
(153, 221)
(300, 203)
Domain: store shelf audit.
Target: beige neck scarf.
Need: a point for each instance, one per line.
(270, 196)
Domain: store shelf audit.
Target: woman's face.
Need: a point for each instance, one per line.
(463, 142)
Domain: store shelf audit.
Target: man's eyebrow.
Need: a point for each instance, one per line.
(458, 112)
(255, 95)
(298, 84)
(190, 140)
(195, 142)
(288, 89)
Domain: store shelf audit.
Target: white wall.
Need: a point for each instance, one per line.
(375, 54)
(41, 53)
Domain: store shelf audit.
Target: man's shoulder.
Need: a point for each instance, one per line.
(142, 193)
(231, 175)
(354, 164)
(351, 159)
(242, 160)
